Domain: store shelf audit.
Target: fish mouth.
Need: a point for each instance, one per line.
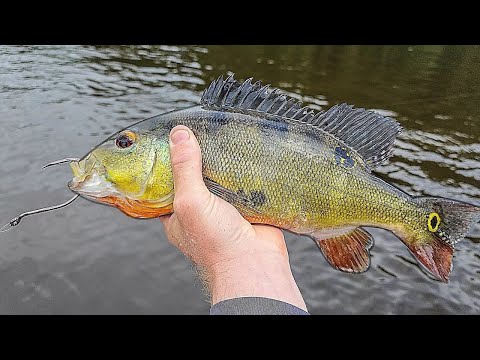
(89, 178)
(90, 182)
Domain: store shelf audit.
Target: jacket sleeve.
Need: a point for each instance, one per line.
(255, 306)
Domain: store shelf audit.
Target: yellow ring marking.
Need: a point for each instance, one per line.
(432, 216)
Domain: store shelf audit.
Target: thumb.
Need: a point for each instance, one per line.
(186, 161)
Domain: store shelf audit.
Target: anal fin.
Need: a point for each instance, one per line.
(349, 252)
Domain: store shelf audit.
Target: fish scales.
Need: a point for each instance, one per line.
(285, 165)
(294, 166)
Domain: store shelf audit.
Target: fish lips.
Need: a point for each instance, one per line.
(89, 179)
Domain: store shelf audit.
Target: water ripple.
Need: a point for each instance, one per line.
(59, 101)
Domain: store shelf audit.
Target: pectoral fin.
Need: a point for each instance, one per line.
(348, 251)
(245, 204)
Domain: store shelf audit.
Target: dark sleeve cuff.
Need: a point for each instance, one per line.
(255, 306)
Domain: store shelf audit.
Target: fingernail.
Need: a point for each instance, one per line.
(179, 136)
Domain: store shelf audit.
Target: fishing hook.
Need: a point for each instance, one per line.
(15, 221)
(66, 160)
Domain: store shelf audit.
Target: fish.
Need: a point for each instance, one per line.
(282, 164)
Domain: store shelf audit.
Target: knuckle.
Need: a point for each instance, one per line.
(182, 159)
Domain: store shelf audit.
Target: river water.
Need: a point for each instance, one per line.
(59, 101)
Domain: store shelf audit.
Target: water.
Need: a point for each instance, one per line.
(58, 101)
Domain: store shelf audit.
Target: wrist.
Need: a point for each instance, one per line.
(254, 275)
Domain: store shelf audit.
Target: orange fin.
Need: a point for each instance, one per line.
(348, 252)
(136, 208)
(433, 249)
(435, 257)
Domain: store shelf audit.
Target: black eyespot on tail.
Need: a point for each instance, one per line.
(449, 220)
(433, 221)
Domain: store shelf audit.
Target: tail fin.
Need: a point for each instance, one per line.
(448, 223)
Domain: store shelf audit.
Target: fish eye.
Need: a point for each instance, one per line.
(433, 222)
(125, 139)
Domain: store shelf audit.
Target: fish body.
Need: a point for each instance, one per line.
(284, 165)
(285, 175)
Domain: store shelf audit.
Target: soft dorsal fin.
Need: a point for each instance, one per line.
(367, 133)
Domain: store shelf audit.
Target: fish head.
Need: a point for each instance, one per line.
(131, 170)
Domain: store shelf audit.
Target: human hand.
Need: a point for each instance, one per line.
(233, 257)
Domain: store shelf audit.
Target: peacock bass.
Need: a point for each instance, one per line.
(284, 165)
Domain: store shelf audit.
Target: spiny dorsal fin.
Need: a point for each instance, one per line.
(367, 133)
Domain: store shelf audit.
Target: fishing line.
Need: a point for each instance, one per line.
(15, 221)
